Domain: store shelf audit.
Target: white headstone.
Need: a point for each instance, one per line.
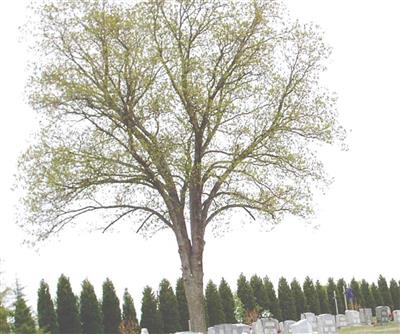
(301, 327)
(312, 319)
(341, 321)
(382, 314)
(265, 326)
(286, 326)
(144, 331)
(396, 316)
(326, 324)
(352, 318)
(366, 316)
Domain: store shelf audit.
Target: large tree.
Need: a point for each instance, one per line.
(227, 300)
(215, 310)
(184, 111)
(259, 292)
(130, 322)
(23, 320)
(272, 299)
(368, 298)
(151, 318)
(385, 292)
(168, 306)
(110, 308)
(395, 293)
(312, 301)
(333, 292)
(322, 298)
(299, 299)
(245, 293)
(90, 310)
(286, 301)
(47, 318)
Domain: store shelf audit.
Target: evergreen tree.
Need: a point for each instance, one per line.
(23, 320)
(245, 293)
(168, 308)
(228, 303)
(299, 299)
(47, 317)
(182, 305)
(151, 318)
(395, 293)
(385, 292)
(286, 301)
(5, 327)
(367, 296)
(331, 290)
(341, 288)
(259, 292)
(377, 295)
(67, 308)
(130, 322)
(273, 301)
(215, 310)
(90, 312)
(312, 302)
(357, 295)
(110, 308)
(322, 298)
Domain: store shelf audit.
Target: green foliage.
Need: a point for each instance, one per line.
(245, 293)
(341, 288)
(23, 320)
(376, 295)
(228, 303)
(395, 293)
(299, 299)
(182, 305)
(358, 299)
(385, 292)
(5, 327)
(312, 301)
(129, 317)
(286, 301)
(110, 308)
(47, 318)
(260, 293)
(368, 298)
(151, 318)
(168, 306)
(67, 308)
(322, 298)
(331, 289)
(240, 312)
(215, 310)
(273, 300)
(90, 311)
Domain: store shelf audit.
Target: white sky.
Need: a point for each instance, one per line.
(358, 217)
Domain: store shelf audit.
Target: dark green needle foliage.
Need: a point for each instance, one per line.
(129, 318)
(168, 305)
(385, 292)
(23, 320)
(151, 318)
(395, 292)
(299, 299)
(312, 302)
(47, 317)
(90, 311)
(273, 300)
(182, 305)
(376, 294)
(215, 311)
(286, 301)
(260, 293)
(245, 293)
(322, 298)
(111, 309)
(228, 302)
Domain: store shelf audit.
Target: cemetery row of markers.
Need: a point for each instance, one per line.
(165, 310)
(310, 323)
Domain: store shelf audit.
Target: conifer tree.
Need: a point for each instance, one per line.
(377, 295)
(286, 301)
(228, 303)
(395, 293)
(151, 318)
(4, 312)
(90, 311)
(168, 306)
(367, 296)
(47, 317)
(130, 322)
(215, 310)
(67, 308)
(322, 298)
(341, 288)
(182, 305)
(23, 320)
(385, 292)
(273, 300)
(358, 300)
(111, 309)
(312, 302)
(260, 293)
(331, 290)
(245, 293)
(299, 299)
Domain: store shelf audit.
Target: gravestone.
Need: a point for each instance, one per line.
(312, 319)
(286, 326)
(352, 318)
(382, 314)
(229, 329)
(265, 326)
(326, 324)
(396, 316)
(144, 331)
(301, 327)
(341, 321)
(366, 316)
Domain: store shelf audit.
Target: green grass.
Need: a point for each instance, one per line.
(387, 329)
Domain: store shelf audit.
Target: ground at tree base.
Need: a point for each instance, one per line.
(386, 329)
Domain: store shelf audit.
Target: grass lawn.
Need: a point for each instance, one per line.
(387, 329)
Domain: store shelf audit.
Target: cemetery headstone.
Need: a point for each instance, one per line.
(144, 331)
(366, 316)
(312, 319)
(286, 326)
(382, 314)
(265, 326)
(229, 329)
(396, 316)
(326, 324)
(341, 321)
(301, 327)
(352, 318)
